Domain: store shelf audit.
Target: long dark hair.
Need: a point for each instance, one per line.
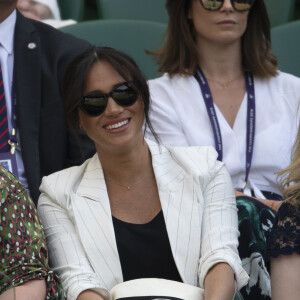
(179, 54)
(75, 77)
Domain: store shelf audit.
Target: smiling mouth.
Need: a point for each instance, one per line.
(117, 125)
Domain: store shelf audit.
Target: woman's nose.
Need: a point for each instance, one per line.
(227, 6)
(112, 108)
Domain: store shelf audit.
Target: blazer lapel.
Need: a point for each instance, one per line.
(27, 74)
(94, 223)
(179, 200)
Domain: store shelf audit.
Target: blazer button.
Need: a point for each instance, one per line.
(31, 46)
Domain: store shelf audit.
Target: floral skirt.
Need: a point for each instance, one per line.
(255, 224)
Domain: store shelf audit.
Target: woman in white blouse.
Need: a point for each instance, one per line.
(105, 220)
(221, 88)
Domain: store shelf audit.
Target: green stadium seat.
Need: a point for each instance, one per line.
(150, 10)
(286, 46)
(280, 11)
(129, 36)
(71, 9)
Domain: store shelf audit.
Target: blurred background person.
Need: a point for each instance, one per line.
(39, 9)
(221, 87)
(33, 132)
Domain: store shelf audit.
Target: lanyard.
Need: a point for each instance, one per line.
(208, 100)
(13, 141)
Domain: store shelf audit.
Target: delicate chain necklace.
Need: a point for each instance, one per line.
(225, 84)
(128, 187)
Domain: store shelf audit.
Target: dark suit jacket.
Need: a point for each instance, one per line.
(46, 144)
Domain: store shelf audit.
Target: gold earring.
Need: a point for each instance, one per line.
(81, 127)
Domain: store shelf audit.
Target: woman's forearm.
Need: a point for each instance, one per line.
(31, 290)
(219, 283)
(273, 204)
(285, 274)
(89, 295)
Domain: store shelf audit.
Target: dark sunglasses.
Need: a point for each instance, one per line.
(124, 94)
(239, 5)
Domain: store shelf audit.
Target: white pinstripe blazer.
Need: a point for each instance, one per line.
(198, 206)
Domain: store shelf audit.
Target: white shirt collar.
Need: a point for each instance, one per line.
(7, 31)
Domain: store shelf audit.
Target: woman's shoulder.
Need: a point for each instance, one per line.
(66, 180)
(198, 160)
(166, 81)
(282, 82)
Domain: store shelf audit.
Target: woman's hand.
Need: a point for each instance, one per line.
(219, 283)
(273, 204)
(89, 295)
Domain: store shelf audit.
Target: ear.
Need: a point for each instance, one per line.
(81, 126)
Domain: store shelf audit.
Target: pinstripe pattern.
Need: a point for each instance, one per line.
(198, 206)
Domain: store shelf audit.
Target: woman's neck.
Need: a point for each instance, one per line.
(220, 62)
(127, 167)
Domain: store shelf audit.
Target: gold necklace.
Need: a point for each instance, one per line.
(225, 84)
(128, 187)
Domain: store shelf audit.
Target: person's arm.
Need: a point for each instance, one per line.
(285, 274)
(273, 204)
(219, 258)
(31, 290)
(219, 273)
(22, 234)
(89, 295)
(67, 254)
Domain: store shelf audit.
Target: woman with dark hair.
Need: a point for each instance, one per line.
(284, 240)
(136, 209)
(221, 88)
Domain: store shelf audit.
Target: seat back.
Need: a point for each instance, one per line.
(129, 36)
(280, 11)
(71, 9)
(286, 46)
(151, 10)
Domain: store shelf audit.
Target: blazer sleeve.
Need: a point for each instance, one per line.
(220, 226)
(66, 252)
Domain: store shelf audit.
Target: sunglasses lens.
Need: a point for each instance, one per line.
(212, 4)
(242, 5)
(125, 94)
(94, 104)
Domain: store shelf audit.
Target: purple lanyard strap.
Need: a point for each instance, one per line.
(208, 100)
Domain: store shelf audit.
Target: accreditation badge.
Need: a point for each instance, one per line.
(9, 162)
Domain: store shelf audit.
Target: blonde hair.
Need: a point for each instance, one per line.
(290, 180)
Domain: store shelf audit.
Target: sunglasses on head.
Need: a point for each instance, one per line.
(239, 5)
(124, 94)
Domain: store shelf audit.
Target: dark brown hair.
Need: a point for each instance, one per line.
(75, 79)
(179, 54)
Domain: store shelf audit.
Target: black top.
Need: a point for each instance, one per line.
(285, 235)
(144, 250)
